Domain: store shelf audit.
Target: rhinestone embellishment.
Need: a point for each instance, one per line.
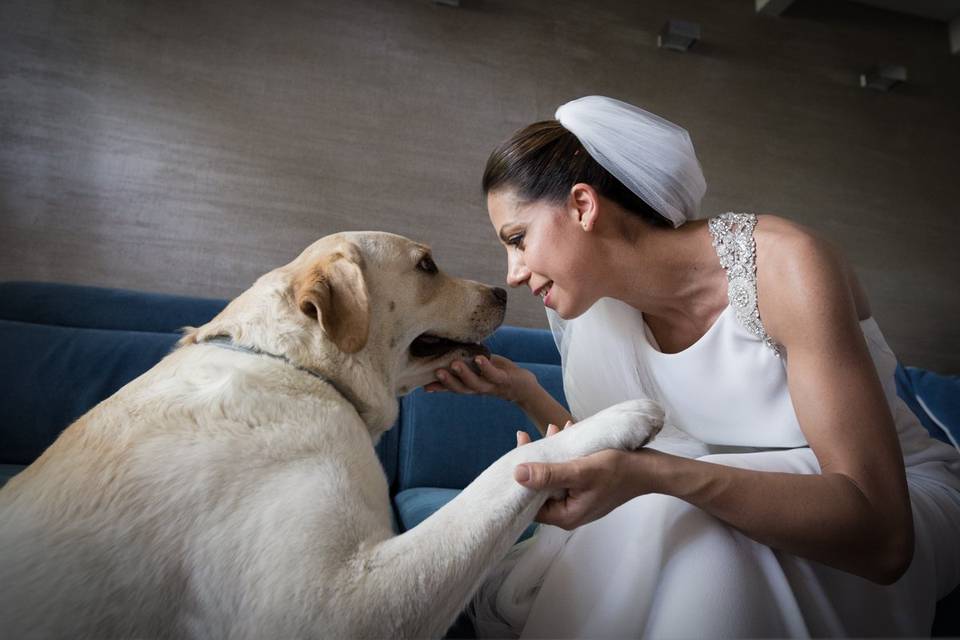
(733, 240)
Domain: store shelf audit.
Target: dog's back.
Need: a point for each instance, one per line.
(132, 523)
(74, 530)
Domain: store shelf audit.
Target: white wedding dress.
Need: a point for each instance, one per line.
(658, 567)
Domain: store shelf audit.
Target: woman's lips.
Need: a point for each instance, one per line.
(545, 292)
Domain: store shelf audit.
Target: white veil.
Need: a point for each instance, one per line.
(651, 156)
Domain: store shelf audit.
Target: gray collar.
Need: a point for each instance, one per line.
(226, 343)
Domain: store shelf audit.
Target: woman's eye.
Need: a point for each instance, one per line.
(516, 241)
(427, 265)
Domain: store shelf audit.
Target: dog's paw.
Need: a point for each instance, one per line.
(627, 426)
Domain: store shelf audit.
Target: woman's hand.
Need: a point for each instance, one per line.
(595, 485)
(524, 438)
(495, 376)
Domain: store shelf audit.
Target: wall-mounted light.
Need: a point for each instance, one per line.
(883, 78)
(678, 35)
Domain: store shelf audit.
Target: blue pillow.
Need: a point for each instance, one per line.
(416, 505)
(524, 345)
(53, 375)
(70, 305)
(447, 439)
(935, 399)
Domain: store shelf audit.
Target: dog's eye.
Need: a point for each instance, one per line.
(427, 265)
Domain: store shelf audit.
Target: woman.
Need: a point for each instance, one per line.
(791, 494)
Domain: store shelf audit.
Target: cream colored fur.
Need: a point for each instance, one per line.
(225, 494)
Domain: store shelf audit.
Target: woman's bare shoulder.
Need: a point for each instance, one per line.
(790, 253)
(784, 231)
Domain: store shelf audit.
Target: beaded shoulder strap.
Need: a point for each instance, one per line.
(733, 240)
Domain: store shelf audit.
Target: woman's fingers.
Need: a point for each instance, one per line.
(490, 370)
(546, 475)
(524, 438)
(470, 379)
(559, 513)
(494, 375)
(452, 382)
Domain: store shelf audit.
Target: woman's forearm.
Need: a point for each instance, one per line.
(540, 407)
(820, 517)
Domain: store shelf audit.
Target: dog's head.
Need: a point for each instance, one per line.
(371, 311)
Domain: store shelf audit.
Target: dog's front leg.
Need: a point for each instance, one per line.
(422, 579)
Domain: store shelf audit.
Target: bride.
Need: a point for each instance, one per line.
(794, 495)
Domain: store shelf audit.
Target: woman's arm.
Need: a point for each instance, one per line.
(498, 376)
(826, 518)
(855, 515)
(809, 303)
(542, 409)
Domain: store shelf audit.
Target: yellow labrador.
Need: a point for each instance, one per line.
(233, 490)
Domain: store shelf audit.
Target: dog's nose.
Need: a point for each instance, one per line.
(500, 294)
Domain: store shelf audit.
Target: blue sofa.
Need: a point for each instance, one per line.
(68, 347)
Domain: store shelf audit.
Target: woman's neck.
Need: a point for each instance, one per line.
(670, 274)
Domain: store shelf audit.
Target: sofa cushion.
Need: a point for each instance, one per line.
(934, 398)
(416, 505)
(524, 345)
(98, 308)
(447, 439)
(53, 375)
(7, 471)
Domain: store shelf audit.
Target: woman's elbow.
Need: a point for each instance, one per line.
(892, 569)
(895, 555)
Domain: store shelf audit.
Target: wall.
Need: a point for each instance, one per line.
(188, 147)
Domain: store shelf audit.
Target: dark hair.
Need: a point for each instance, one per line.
(544, 160)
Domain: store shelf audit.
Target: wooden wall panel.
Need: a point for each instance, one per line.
(188, 147)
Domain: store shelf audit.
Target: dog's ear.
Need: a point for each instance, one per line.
(334, 292)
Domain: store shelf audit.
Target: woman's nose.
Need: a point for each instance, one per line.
(517, 273)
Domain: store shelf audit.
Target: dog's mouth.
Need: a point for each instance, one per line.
(429, 345)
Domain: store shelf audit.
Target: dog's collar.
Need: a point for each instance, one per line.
(226, 343)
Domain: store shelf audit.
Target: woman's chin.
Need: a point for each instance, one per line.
(569, 313)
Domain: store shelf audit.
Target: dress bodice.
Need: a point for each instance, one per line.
(735, 365)
(730, 386)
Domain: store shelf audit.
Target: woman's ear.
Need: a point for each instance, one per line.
(585, 205)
